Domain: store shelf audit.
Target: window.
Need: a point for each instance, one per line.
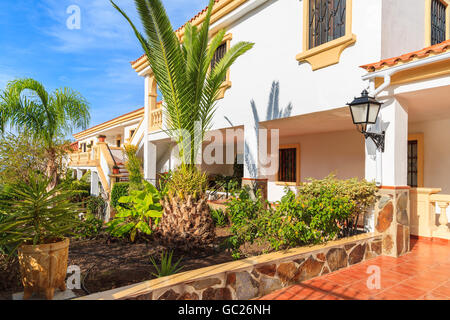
(327, 31)
(218, 55)
(437, 25)
(415, 160)
(289, 164)
(438, 22)
(412, 163)
(118, 141)
(326, 21)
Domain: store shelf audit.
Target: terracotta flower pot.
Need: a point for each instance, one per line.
(43, 268)
(116, 170)
(101, 139)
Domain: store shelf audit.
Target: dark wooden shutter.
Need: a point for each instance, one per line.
(287, 165)
(326, 21)
(438, 22)
(218, 55)
(412, 163)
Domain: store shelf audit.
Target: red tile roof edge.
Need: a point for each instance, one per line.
(435, 49)
(100, 124)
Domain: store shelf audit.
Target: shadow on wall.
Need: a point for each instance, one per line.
(273, 112)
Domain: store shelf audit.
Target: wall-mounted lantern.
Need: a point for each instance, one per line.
(365, 110)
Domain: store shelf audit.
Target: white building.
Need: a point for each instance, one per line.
(306, 61)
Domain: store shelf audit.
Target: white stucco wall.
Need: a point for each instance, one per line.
(276, 28)
(341, 153)
(436, 152)
(403, 27)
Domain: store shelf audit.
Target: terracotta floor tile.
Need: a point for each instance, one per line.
(442, 290)
(405, 291)
(362, 286)
(433, 296)
(424, 273)
(422, 283)
(340, 279)
(389, 296)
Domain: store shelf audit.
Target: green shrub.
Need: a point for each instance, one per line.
(89, 228)
(37, 216)
(119, 189)
(166, 268)
(244, 214)
(322, 210)
(297, 221)
(134, 167)
(96, 206)
(219, 217)
(361, 193)
(141, 210)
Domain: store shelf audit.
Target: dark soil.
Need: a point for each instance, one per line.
(107, 264)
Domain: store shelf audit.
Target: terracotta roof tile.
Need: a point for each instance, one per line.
(425, 52)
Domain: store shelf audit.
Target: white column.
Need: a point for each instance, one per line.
(94, 183)
(250, 152)
(150, 157)
(393, 165)
(79, 174)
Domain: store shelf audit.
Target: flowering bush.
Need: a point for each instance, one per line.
(322, 210)
(298, 221)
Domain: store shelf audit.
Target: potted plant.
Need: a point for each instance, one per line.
(116, 169)
(36, 224)
(101, 138)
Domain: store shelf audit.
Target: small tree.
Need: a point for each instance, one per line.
(28, 107)
(134, 167)
(19, 156)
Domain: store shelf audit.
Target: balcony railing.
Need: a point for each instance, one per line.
(156, 119)
(426, 219)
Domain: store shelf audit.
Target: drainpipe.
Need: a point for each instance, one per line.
(387, 75)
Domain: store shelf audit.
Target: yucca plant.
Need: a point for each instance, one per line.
(35, 215)
(166, 267)
(190, 88)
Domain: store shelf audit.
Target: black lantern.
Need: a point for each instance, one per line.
(365, 110)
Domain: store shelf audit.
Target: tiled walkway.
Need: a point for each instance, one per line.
(424, 273)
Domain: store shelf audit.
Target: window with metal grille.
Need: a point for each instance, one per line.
(288, 165)
(326, 21)
(218, 55)
(438, 22)
(412, 163)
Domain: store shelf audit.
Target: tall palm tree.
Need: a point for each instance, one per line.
(190, 88)
(28, 107)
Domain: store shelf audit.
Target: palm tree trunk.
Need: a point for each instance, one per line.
(52, 169)
(186, 223)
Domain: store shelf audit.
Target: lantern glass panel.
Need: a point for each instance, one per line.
(374, 109)
(359, 113)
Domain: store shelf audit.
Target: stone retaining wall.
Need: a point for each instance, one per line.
(253, 277)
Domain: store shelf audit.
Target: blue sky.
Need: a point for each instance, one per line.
(94, 60)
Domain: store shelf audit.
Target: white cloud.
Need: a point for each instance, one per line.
(104, 27)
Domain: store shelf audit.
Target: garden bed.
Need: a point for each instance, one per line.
(107, 264)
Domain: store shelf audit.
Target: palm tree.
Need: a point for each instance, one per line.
(28, 107)
(190, 88)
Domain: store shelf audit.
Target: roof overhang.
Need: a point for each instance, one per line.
(134, 115)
